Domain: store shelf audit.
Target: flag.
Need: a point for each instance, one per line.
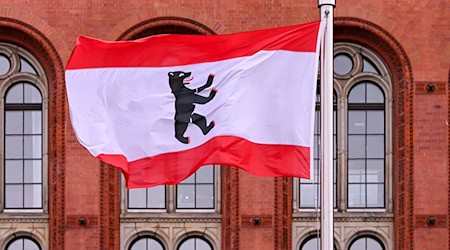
(159, 108)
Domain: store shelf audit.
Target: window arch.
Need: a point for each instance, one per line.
(24, 130)
(195, 243)
(311, 243)
(23, 243)
(366, 242)
(146, 243)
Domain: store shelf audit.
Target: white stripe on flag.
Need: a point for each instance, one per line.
(265, 98)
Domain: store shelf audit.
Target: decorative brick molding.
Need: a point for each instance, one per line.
(283, 213)
(257, 221)
(34, 35)
(384, 44)
(109, 206)
(436, 88)
(164, 15)
(431, 220)
(230, 208)
(82, 220)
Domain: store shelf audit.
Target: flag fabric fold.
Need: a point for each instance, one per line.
(159, 108)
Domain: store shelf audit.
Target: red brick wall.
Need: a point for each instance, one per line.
(419, 29)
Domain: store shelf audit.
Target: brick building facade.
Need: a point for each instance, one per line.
(392, 79)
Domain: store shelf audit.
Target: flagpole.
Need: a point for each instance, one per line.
(326, 129)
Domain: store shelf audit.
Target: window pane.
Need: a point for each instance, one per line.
(343, 64)
(308, 192)
(153, 245)
(33, 195)
(136, 198)
(14, 147)
(375, 171)
(33, 146)
(195, 244)
(26, 67)
(13, 171)
(185, 196)
(33, 171)
(373, 244)
(356, 195)
(33, 122)
(187, 245)
(5, 64)
(357, 94)
(375, 122)
(17, 244)
(359, 244)
(375, 146)
(139, 245)
(190, 179)
(13, 122)
(356, 122)
(356, 146)
(356, 171)
(13, 196)
(369, 67)
(375, 195)
(311, 244)
(32, 94)
(205, 174)
(15, 94)
(30, 245)
(374, 94)
(156, 197)
(201, 245)
(316, 148)
(204, 196)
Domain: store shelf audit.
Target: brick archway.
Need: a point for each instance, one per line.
(384, 44)
(190, 19)
(37, 37)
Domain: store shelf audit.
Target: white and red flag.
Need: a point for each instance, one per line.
(161, 107)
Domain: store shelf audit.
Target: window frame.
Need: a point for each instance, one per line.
(40, 82)
(342, 86)
(171, 200)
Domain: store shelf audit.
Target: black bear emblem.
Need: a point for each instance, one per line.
(185, 99)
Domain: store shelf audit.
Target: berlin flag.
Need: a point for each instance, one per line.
(159, 108)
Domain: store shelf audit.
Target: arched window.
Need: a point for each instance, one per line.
(195, 243)
(366, 243)
(366, 146)
(362, 150)
(146, 243)
(310, 189)
(24, 141)
(22, 243)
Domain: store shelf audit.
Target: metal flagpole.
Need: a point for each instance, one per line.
(326, 129)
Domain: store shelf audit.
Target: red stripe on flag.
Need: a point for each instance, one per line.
(176, 50)
(172, 168)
